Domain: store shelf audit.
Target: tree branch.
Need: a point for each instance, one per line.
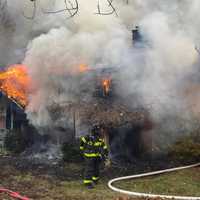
(34, 11)
(110, 4)
(3, 4)
(72, 10)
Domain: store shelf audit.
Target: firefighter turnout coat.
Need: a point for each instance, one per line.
(94, 150)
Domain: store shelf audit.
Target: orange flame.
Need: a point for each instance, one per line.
(83, 68)
(14, 82)
(106, 83)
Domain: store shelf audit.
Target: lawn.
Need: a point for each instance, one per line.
(185, 183)
(44, 184)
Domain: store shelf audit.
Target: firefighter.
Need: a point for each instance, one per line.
(94, 150)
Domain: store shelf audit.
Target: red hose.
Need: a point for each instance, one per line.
(13, 194)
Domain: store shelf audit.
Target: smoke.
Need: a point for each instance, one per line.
(53, 47)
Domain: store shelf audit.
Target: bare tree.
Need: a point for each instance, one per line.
(3, 5)
(71, 7)
(34, 11)
(110, 4)
(197, 49)
(5, 19)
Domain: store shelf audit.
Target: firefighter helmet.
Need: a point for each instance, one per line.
(95, 129)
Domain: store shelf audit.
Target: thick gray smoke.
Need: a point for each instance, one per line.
(53, 47)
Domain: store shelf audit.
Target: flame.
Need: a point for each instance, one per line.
(83, 68)
(106, 83)
(14, 82)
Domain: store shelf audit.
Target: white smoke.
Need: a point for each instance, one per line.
(57, 45)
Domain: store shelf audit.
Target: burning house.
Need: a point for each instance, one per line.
(12, 101)
(90, 69)
(127, 129)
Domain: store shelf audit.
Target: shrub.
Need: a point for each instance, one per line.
(187, 148)
(15, 142)
(71, 152)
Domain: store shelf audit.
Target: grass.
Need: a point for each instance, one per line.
(43, 188)
(42, 185)
(48, 187)
(186, 183)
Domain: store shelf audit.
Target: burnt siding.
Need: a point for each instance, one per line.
(11, 116)
(3, 111)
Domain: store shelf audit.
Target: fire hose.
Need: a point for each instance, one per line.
(13, 194)
(147, 195)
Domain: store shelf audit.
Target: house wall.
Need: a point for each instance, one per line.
(3, 113)
(3, 133)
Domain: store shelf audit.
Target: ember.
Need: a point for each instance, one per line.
(106, 83)
(14, 82)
